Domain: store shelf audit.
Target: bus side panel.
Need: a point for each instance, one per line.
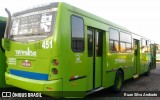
(145, 56)
(108, 79)
(117, 61)
(74, 68)
(128, 66)
(2, 68)
(109, 75)
(144, 63)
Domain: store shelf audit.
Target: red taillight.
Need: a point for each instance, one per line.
(49, 88)
(72, 77)
(55, 71)
(7, 78)
(55, 62)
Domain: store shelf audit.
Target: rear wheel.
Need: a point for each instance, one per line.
(118, 83)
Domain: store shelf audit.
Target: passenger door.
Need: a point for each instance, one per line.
(95, 47)
(153, 55)
(136, 55)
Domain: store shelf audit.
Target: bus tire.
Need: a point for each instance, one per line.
(118, 83)
(148, 71)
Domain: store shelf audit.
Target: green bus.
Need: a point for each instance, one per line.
(2, 54)
(58, 47)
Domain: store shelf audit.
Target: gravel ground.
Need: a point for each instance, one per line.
(142, 84)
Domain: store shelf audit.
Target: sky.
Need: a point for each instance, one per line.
(139, 16)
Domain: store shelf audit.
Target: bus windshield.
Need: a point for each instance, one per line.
(34, 24)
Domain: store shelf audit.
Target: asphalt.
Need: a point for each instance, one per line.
(141, 88)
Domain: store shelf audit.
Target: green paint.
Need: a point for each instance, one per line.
(6, 44)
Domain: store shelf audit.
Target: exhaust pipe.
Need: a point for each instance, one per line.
(6, 39)
(7, 30)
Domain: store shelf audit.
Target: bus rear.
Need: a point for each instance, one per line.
(31, 50)
(2, 55)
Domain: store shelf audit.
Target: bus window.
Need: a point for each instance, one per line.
(77, 27)
(114, 46)
(124, 37)
(90, 43)
(144, 47)
(114, 40)
(128, 47)
(99, 42)
(114, 34)
(125, 42)
(122, 47)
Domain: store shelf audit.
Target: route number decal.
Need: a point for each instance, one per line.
(47, 44)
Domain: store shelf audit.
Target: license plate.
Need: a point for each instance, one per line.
(26, 63)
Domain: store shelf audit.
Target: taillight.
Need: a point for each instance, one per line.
(55, 71)
(55, 62)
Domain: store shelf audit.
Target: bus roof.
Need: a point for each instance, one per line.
(97, 18)
(34, 8)
(92, 16)
(78, 11)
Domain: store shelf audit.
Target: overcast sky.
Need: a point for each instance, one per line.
(139, 16)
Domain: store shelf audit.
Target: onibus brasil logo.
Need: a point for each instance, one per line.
(28, 52)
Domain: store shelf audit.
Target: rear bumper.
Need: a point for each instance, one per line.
(33, 85)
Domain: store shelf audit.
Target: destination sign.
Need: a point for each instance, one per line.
(38, 22)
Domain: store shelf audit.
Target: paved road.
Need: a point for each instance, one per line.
(143, 83)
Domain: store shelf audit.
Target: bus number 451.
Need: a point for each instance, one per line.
(47, 44)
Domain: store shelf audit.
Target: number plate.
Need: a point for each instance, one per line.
(26, 63)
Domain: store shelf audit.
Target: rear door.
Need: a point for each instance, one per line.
(153, 55)
(136, 55)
